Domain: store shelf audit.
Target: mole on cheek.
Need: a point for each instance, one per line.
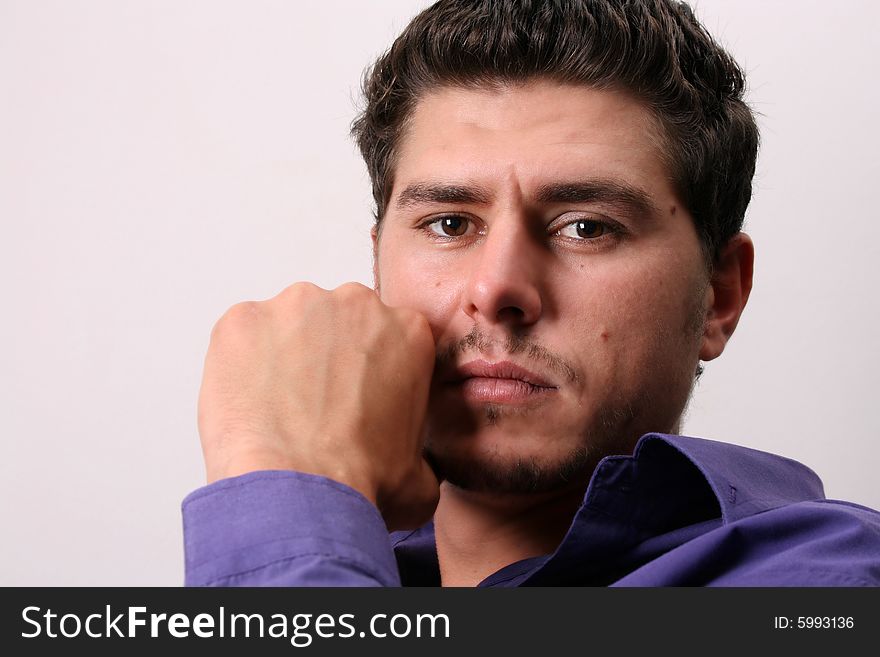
(605, 335)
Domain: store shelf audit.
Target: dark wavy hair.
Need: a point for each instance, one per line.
(656, 50)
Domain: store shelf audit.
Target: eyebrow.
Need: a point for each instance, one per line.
(422, 193)
(608, 192)
(594, 190)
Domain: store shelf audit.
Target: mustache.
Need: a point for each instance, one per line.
(477, 341)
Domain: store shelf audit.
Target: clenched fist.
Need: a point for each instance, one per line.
(333, 383)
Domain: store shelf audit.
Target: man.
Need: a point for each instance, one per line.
(559, 189)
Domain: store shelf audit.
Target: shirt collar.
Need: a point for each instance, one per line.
(744, 481)
(670, 483)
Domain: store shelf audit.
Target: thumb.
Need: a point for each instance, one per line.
(416, 503)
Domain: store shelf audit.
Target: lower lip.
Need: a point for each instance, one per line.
(500, 391)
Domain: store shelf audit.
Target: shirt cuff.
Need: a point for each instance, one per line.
(284, 528)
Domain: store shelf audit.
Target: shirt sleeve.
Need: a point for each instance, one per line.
(284, 528)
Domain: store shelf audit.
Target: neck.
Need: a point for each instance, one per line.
(477, 533)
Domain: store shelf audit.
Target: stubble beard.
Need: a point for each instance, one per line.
(614, 430)
(511, 474)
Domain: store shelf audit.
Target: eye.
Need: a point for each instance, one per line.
(452, 225)
(585, 229)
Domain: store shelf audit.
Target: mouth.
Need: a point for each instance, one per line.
(480, 381)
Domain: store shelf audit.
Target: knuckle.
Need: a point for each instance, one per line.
(353, 290)
(299, 290)
(242, 313)
(238, 319)
(418, 331)
(419, 326)
(296, 300)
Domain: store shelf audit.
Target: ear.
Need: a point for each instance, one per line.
(727, 294)
(374, 235)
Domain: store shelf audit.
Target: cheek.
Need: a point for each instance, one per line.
(408, 281)
(635, 319)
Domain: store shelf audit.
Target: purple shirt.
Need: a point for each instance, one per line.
(679, 512)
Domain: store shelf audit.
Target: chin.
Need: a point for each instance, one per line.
(512, 474)
(511, 459)
(503, 449)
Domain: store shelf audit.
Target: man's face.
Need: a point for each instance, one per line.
(537, 230)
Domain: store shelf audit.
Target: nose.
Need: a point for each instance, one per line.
(503, 286)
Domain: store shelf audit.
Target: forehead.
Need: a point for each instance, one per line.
(531, 134)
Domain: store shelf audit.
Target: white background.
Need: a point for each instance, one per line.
(162, 160)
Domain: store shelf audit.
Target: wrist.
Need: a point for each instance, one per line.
(244, 463)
